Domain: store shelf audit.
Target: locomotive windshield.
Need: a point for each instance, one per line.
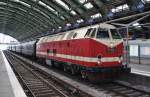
(115, 34)
(102, 33)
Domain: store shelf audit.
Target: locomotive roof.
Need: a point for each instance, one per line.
(69, 34)
(101, 25)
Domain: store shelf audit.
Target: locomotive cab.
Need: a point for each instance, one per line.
(111, 45)
(109, 50)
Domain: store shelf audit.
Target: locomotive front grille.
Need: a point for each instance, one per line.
(111, 50)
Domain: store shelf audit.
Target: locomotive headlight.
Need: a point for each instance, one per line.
(120, 59)
(99, 62)
(99, 59)
(111, 44)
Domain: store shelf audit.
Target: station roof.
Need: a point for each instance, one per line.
(29, 19)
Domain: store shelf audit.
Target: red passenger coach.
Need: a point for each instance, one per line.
(94, 51)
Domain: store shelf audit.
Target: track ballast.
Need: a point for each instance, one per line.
(37, 84)
(114, 89)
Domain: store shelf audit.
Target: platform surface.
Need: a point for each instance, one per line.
(140, 69)
(9, 85)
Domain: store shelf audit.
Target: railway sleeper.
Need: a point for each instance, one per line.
(34, 82)
(37, 89)
(37, 86)
(47, 95)
(43, 91)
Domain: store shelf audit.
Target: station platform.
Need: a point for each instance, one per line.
(9, 85)
(140, 69)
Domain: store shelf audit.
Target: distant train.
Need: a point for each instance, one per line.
(96, 52)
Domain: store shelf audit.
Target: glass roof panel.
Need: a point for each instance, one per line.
(50, 8)
(34, 0)
(82, 1)
(23, 3)
(88, 5)
(14, 0)
(41, 12)
(73, 12)
(63, 4)
(43, 4)
(62, 17)
(2, 3)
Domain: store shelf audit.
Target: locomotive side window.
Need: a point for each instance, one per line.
(75, 34)
(70, 35)
(63, 35)
(93, 32)
(115, 34)
(102, 33)
(88, 32)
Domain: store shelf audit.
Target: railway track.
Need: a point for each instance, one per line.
(118, 90)
(114, 89)
(37, 84)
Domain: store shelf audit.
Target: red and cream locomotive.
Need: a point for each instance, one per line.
(94, 51)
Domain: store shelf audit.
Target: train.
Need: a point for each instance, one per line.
(95, 52)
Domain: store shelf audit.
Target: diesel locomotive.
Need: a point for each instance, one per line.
(96, 52)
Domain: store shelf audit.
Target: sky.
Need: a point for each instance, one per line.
(6, 39)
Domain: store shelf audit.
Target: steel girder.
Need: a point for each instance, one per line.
(20, 17)
(24, 12)
(13, 21)
(30, 17)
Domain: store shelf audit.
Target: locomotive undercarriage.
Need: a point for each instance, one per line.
(94, 74)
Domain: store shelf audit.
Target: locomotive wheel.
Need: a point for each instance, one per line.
(72, 71)
(94, 79)
(65, 68)
(49, 62)
(83, 75)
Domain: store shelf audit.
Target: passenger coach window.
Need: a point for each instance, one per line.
(102, 33)
(115, 34)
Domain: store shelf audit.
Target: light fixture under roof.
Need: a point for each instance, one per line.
(147, 0)
(80, 21)
(68, 24)
(120, 8)
(113, 10)
(59, 27)
(96, 15)
(136, 24)
(88, 5)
